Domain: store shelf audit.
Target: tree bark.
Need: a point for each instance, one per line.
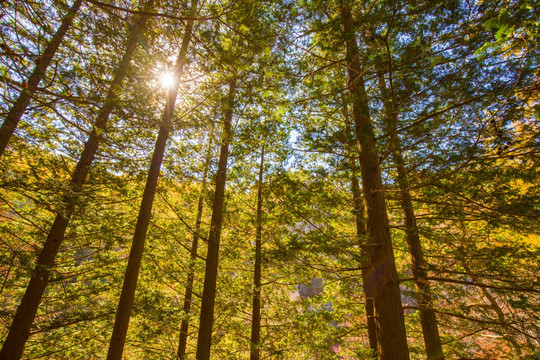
(255, 353)
(428, 319)
(381, 284)
(184, 327)
(127, 296)
(359, 215)
(204, 339)
(26, 312)
(15, 113)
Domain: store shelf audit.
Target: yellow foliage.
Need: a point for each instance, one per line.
(532, 239)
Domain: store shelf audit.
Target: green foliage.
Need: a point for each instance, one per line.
(462, 82)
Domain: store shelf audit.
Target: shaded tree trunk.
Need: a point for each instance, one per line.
(255, 353)
(19, 107)
(359, 215)
(381, 284)
(428, 319)
(204, 339)
(184, 327)
(127, 296)
(26, 312)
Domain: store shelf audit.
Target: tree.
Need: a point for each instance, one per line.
(256, 311)
(193, 256)
(441, 96)
(209, 292)
(381, 283)
(31, 85)
(127, 296)
(358, 210)
(428, 319)
(14, 344)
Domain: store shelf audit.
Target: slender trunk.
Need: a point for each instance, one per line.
(358, 210)
(20, 328)
(121, 323)
(498, 311)
(428, 319)
(255, 353)
(502, 319)
(381, 284)
(15, 113)
(182, 343)
(204, 339)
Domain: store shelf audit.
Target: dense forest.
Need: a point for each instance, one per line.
(270, 179)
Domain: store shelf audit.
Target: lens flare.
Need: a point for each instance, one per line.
(166, 79)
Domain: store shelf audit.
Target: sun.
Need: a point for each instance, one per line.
(166, 79)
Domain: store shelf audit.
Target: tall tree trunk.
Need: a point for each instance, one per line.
(26, 312)
(123, 313)
(255, 352)
(15, 113)
(381, 283)
(182, 343)
(428, 319)
(204, 339)
(358, 210)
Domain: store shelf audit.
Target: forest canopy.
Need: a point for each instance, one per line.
(269, 179)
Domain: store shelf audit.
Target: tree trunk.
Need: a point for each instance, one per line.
(497, 309)
(26, 312)
(502, 319)
(182, 343)
(255, 353)
(15, 113)
(127, 295)
(358, 210)
(210, 277)
(428, 319)
(381, 284)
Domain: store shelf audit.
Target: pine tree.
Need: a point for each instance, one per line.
(127, 296)
(256, 310)
(14, 345)
(380, 279)
(204, 339)
(359, 215)
(38, 74)
(428, 319)
(188, 296)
